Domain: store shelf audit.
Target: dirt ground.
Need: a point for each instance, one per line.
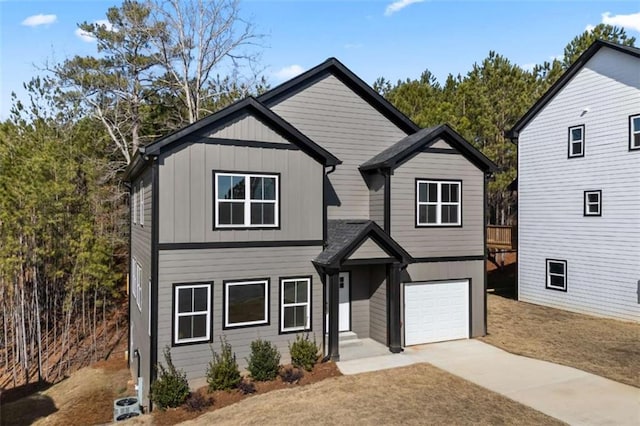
(418, 394)
(85, 398)
(605, 347)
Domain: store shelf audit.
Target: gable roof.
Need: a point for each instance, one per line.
(344, 236)
(336, 68)
(406, 148)
(565, 78)
(249, 105)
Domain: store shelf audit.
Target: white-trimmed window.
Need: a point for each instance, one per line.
(634, 132)
(246, 200)
(438, 203)
(192, 313)
(295, 306)
(246, 303)
(576, 141)
(556, 274)
(134, 208)
(141, 193)
(593, 203)
(136, 284)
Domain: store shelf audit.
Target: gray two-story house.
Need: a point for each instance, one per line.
(316, 207)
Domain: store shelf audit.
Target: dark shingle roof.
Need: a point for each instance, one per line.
(404, 149)
(345, 235)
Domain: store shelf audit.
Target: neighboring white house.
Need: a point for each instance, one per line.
(579, 188)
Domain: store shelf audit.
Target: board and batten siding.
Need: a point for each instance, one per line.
(248, 128)
(435, 241)
(340, 121)
(141, 253)
(186, 192)
(602, 253)
(218, 265)
(473, 270)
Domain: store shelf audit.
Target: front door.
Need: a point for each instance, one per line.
(344, 310)
(344, 306)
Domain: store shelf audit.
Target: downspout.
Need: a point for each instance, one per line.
(324, 245)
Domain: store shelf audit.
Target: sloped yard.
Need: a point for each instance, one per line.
(418, 394)
(605, 347)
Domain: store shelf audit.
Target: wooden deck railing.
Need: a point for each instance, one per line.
(502, 237)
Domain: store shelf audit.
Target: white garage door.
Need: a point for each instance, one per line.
(436, 311)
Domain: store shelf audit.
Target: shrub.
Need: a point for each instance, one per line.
(264, 361)
(197, 402)
(223, 372)
(291, 375)
(246, 387)
(304, 352)
(171, 388)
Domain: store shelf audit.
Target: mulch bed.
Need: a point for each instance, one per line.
(221, 399)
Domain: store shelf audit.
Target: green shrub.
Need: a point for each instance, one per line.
(264, 361)
(304, 352)
(171, 388)
(223, 373)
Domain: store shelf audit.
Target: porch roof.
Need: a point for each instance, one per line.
(344, 236)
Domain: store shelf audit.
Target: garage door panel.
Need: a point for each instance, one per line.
(436, 312)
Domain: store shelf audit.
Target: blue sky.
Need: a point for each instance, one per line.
(396, 39)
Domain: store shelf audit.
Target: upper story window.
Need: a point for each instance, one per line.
(141, 194)
(576, 141)
(134, 201)
(438, 203)
(593, 203)
(246, 200)
(634, 132)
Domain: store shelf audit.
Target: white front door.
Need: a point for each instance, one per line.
(344, 310)
(344, 305)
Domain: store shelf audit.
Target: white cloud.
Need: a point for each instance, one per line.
(399, 5)
(36, 20)
(589, 27)
(88, 37)
(288, 72)
(629, 22)
(528, 67)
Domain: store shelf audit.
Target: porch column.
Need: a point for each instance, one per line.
(393, 292)
(334, 300)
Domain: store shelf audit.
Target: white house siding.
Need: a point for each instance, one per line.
(602, 253)
(336, 118)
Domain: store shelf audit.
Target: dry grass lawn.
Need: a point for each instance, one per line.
(85, 398)
(605, 347)
(418, 394)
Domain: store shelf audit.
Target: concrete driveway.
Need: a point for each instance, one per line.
(568, 394)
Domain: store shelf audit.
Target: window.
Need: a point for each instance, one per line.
(593, 203)
(246, 200)
(576, 141)
(141, 194)
(246, 303)
(557, 274)
(295, 306)
(634, 132)
(438, 203)
(134, 208)
(192, 313)
(136, 284)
